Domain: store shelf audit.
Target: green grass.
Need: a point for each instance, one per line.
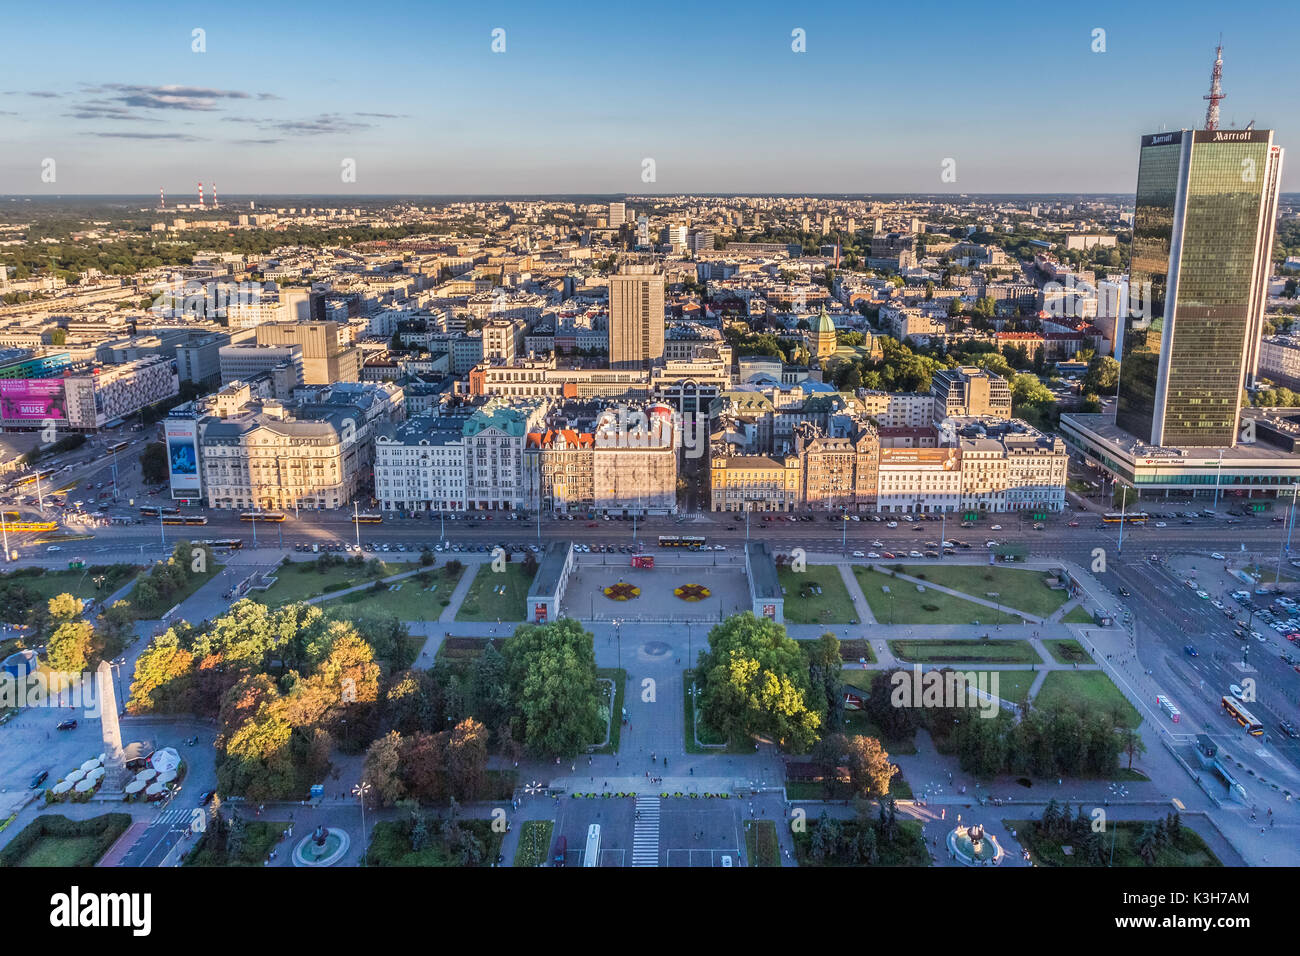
(796, 790)
(1068, 651)
(619, 677)
(78, 583)
(907, 849)
(148, 612)
(1188, 850)
(1021, 590)
(260, 837)
(707, 737)
(534, 843)
(390, 844)
(1086, 692)
(910, 606)
(965, 652)
(481, 604)
(761, 845)
(409, 601)
(1077, 615)
(802, 606)
(300, 580)
(54, 840)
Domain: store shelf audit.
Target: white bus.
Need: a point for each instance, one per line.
(592, 857)
(1168, 707)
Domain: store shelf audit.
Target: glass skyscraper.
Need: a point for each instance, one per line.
(1203, 226)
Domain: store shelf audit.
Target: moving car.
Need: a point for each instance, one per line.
(69, 724)
(1191, 650)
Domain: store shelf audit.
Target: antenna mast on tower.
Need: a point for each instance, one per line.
(1216, 90)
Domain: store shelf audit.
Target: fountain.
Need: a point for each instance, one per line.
(971, 846)
(324, 846)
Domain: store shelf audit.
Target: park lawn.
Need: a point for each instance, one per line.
(1068, 651)
(910, 606)
(483, 604)
(1086, 691)
(803, 606)
(390, 844)
(907, 849)
(998, 651)
(534, 843)
(300, 580)
(619, 679)
(54, 840)
(761, 845)
(77, 583)
(407, 599)
(1077, 615)
(260, 837)
(1188, 850)
(1013, 685)
(149, 612)
(1019, 589)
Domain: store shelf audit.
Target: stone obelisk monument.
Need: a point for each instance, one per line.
(116, 776)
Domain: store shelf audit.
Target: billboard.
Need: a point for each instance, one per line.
(32, 400)
(183, 457)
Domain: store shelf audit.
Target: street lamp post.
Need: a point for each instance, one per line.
(360, 791)
(1218, 479)
(356, 524)
(4, 530)
(997, 595)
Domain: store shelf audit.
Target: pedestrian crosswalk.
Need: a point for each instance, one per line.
(645, 833)
(174, 818)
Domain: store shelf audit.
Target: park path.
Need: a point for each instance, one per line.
(991, 605)
(462, 589)
(859, 599)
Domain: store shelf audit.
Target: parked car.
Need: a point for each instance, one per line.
(38, 778)
(69, 724)
(1191, 651)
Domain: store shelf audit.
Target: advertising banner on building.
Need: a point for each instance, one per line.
(32, 400)
(183, 457)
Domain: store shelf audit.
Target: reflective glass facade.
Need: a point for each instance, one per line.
(1153, 226)
(1182, 370)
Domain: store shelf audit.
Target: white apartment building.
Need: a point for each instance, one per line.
(420, 466)
(117, 391)
(495, 437)
(898, 409)
(919, 480)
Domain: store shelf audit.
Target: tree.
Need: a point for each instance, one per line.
(383, 768)
(64, 608)
(1132, 744)
(153, 463)
(754, 680)
(467, 760)
(825, 673)
(552, 671)
(869, 768)
(70, 647)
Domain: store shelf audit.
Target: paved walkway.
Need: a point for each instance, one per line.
(860, 604)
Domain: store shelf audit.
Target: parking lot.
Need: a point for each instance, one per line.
(692, 832)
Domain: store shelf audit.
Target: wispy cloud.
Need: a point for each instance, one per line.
(323, 125)
(203, 99)
(175, 137)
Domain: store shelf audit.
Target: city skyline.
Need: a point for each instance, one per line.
(565, 109)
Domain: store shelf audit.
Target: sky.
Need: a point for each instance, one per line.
(283, 96)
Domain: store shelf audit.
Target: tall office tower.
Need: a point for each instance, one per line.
(636, 317)
(1203, 226)
(643, 231)
(617, 214)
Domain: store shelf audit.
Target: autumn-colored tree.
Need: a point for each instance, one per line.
(467, 755)
(384, 769)
(70, 647)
